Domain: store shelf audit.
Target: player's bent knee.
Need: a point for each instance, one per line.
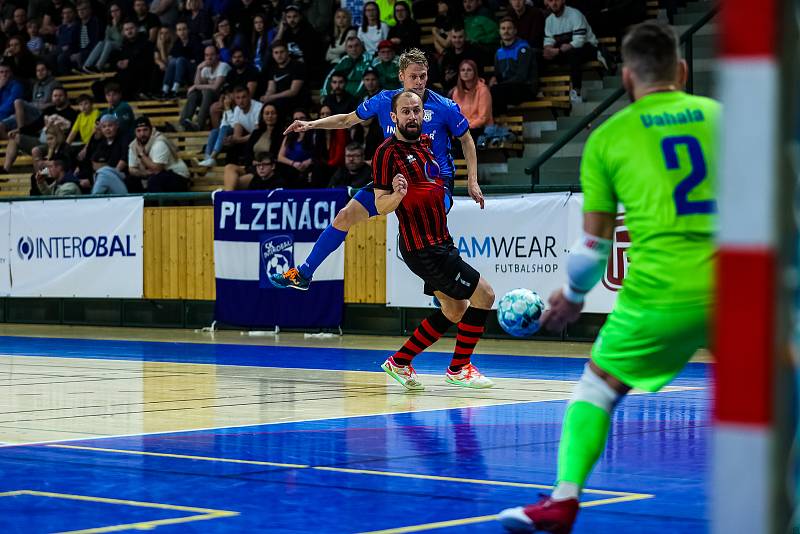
(351, 214)
(484, 296)
(592, 388)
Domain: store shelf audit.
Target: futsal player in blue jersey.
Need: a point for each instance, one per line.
(442, 119)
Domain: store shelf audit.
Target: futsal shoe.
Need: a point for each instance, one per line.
(292, 279)
(546, 515)
(405, 374)
(468, 377)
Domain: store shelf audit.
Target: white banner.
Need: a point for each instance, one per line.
(517, 241)
(85, 248)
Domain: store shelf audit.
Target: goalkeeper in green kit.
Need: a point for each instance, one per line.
(658, 158)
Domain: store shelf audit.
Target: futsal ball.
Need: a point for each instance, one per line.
(278, 264)
(519, 311)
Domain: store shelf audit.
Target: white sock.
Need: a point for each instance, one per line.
(164, 88)
(175, 87)
(565, 490)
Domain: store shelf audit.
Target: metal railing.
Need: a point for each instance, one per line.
(686, 39)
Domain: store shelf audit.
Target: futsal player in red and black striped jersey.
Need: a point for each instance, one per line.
(408, 182)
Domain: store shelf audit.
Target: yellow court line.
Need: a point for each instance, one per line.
(201, 514)
(182, 456)
(626, 495)
(486, 518)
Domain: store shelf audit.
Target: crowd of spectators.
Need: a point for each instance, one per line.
(248, 67)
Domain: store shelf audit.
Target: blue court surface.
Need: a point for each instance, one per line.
(439, 470)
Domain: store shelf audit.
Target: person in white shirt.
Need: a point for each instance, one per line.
(153, 157)
(243, 121)
(372, 29)
(568, 39)
(220, 137)
(208, 80)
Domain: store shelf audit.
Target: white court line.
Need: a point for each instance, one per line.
(671, 389)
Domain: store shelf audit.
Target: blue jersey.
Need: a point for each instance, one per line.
(441, 119)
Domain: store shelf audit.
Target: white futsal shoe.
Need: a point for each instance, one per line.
(405, 374)
(468, 377)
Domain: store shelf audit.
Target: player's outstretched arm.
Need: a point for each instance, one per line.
(471, 155)
(387, 201)
(334, 122)
(585, 267)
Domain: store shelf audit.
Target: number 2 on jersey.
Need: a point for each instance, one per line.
(684, 206)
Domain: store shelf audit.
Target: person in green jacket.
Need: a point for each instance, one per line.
(352, 65)
(386, 65)
(479, 24)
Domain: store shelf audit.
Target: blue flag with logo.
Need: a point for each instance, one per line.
(260, 233)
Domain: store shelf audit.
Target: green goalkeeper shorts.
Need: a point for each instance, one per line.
(645, 347)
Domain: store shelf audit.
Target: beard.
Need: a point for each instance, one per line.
(411, 135)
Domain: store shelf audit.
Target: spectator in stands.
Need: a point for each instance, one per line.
(353, 65)
(58, 180)
(86, 121)
(342, 29)
(89, 33)
(387, 66)
(66, 36)
(55, 147)
(17, 24)
(161, 50)
(208, 80)
(186, 53)
(10, 91)
(243, 121)
(442, 26)
(34, 123)
(198, 20)
(34, 40)
(338, 99)
(119, 108)
(267, 137)
(220, 137)
(43, 86)
(286, 87)
(370, 85)
(457, 51)
(153, 157)
(569, 40)
(473, 97)
(166, 11)
(479, 25)
(20, 59)
(372, 30)
(135, 63)
(297, 154)
(302, 41)
(328, 147)
(146, 22)
(52, 17)
(108, 148)
(515, 73)
(258, 45)
(240, 13)
(529, 21)
(355, 172)
(242, 73)
(223, 39)
(262, 175)
(98, 58)
(387, 9)
(406, 33)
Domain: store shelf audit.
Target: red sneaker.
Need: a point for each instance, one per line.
(546, 515)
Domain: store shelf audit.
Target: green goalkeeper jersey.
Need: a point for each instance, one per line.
(658, 158)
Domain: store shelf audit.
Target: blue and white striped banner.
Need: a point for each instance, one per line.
(259, 233)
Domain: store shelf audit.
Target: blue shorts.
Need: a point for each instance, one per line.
(366, 197)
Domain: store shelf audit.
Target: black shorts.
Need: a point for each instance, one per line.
(442, 269)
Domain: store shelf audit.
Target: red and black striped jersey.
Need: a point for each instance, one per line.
(422, 216)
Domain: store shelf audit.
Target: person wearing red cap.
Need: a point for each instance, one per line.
(386, 65)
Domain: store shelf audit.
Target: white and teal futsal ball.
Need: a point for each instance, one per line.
(519, 311)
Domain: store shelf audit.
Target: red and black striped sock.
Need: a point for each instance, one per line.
(470, 330)
(426, 334)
